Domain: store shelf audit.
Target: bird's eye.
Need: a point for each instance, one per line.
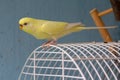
(25, 23)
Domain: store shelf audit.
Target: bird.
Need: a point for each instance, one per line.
(51, 30)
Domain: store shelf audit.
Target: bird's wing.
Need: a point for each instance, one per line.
(53, 27)
(76, 24)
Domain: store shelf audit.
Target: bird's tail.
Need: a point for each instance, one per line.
(79, 28)
(75, 27)
(106, 27)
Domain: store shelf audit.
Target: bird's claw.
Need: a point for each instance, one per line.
(48, 44)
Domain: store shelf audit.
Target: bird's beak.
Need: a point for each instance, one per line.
(21, 27)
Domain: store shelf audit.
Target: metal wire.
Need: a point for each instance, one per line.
(79, 61)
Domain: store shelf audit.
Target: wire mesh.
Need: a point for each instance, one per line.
(80, 61)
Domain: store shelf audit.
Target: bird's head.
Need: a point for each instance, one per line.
(25, 23)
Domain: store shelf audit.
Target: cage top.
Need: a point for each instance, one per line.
(81, 61)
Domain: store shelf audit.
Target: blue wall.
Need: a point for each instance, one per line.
(15, 45)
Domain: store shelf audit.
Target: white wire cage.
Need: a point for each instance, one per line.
(80, 61)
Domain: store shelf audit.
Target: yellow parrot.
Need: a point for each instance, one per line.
(51, 30)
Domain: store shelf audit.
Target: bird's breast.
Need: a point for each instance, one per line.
(41, 35)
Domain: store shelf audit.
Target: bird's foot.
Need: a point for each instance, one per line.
(47, 44)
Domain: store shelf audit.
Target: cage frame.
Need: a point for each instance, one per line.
(100, 60)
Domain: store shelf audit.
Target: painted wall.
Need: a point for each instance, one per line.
(15, 45)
